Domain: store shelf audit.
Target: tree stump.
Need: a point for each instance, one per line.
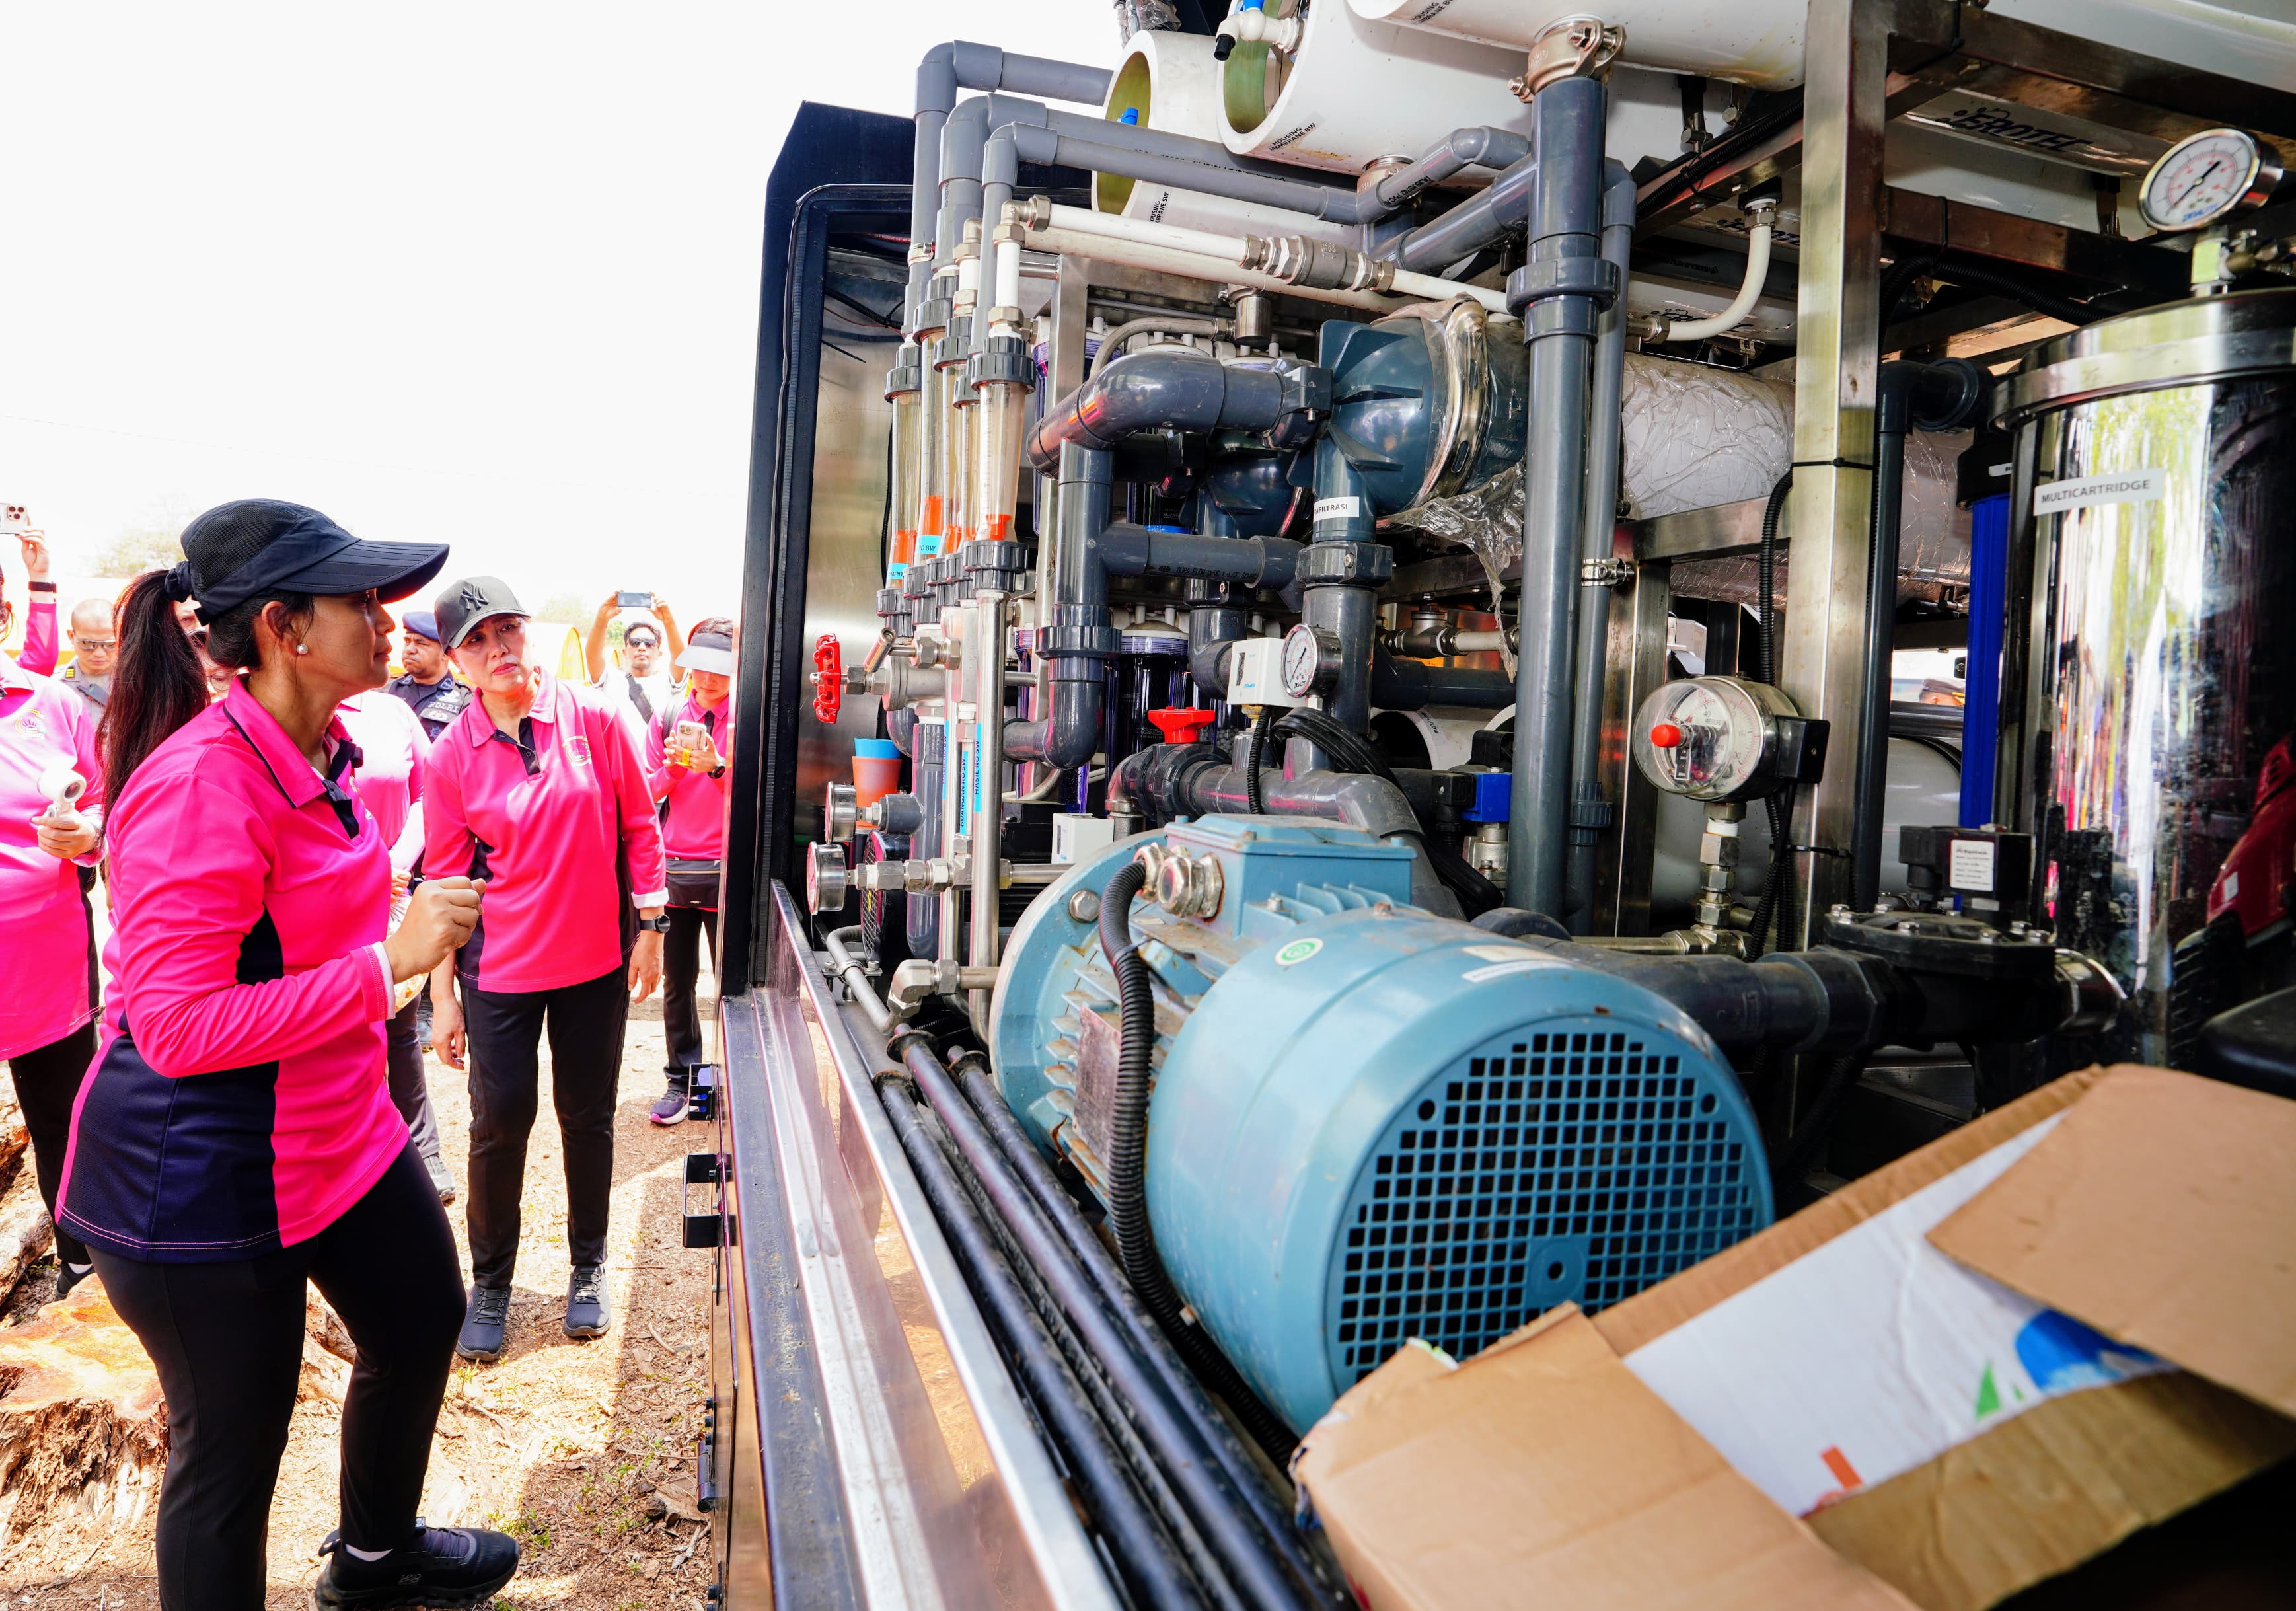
(82, 1425)
(25, 1232)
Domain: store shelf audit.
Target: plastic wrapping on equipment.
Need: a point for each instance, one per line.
(1153, 16)
(1697, 436)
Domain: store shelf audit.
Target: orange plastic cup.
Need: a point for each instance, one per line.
(876, 769)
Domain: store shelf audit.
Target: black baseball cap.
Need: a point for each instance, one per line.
(253, 545)
(462, 605)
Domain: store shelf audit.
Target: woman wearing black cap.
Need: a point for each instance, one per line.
(235, 1137)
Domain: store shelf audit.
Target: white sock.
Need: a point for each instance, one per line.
(79, 1270)
(365, 1555)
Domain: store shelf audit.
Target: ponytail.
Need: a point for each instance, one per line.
(157, 683)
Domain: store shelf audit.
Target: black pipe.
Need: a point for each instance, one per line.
(1932, 397)
(1823, 1000)
(1258, 562)
(1776, 900)
(1091, 1254)
(1412, 685)
(1180, 1452)
(1149, 1475)
(1141, 1550)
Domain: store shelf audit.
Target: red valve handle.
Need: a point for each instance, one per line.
(1665, 735)
(828, 679)
(1181, 726)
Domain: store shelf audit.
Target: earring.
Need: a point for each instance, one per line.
(302, 648)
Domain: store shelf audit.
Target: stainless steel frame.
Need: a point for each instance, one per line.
(937, 1479)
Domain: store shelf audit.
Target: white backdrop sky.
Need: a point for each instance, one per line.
(484, 273)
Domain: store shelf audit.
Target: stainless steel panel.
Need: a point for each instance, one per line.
(952, 1501)
(1634, 663)
(2196, 339)
(844, 563)
(2163, 672)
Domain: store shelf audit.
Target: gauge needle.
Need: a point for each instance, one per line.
(2196, 184)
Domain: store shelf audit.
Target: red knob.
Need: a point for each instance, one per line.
(1181, 726)
(1665, 735)
(828, 678)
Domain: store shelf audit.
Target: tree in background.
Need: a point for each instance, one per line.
(151, 544)
(567, 609)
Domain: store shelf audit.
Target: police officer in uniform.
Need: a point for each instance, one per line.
(429, 687)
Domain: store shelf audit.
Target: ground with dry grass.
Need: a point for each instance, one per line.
(583, 1450)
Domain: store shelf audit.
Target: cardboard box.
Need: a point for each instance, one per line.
(1968, 1371)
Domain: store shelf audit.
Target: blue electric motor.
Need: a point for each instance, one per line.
(1369, 1124)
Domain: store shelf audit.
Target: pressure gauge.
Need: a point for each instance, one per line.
(1724, 738)
(1311, 661)
(2204, 178)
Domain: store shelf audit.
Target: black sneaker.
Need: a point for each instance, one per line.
(69, 1275)
(587, 1315)
(441, 1566)
(482, 1327)
(671, 1108)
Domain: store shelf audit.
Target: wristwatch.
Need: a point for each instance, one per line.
(718, 770)
(654, 925)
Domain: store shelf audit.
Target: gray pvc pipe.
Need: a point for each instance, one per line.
(1163, 387)
(944, 70)
(1462, 148)
(1603, 457)
(1411, 685)
(1566, 223)
(1258, 562)
(1473, 224)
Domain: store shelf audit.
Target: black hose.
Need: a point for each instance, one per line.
(1139, 1548)
(1777, 891)
(1060, 1209)
(1180, 1450)
(1978, 276)
(1149, 1475)
(1254, 794)
(1803, 1147)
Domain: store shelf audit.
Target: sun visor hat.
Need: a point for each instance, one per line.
(708, 651)
(462, 605)
(243, 550)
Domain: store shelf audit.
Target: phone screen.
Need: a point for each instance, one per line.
(627, 600)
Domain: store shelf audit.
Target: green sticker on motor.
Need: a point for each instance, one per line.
(1296, 951)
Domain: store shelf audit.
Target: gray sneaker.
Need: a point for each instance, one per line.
(586, 1314)
(442, 1178)
(483, 1325)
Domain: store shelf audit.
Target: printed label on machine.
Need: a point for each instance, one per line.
(1337, 509)
(2080, 491)
(1970, 865)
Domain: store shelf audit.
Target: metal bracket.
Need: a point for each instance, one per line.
(1606, 572)
(1576, 48)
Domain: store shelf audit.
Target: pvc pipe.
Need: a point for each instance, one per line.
(1462, 148)
(1234, 250)
(1758, 267)
(1193, 266)
(1008, 274)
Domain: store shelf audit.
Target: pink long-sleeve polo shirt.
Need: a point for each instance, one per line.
(46, 951)
(237, 1104)
(393, 758)
(42, 644)
(559, 822)
(693, 828)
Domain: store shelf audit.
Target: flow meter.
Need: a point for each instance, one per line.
(2204, 178)
(1717, 738)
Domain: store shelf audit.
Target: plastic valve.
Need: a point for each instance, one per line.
(1181, 726)
(828, 679)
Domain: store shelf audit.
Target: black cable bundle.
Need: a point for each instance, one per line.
(1777, 886)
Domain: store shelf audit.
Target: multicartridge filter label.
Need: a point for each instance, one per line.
(2127, 487)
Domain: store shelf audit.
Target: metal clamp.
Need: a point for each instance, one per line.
(1606, 572)
(707, 1226)
(1576, 48)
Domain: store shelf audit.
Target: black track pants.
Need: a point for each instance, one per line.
(410, 1092)
(47, 1083)
(681, 968)
(585, 1022)
(227, 1340)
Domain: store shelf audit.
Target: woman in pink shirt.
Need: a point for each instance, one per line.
(235, 1137)
(47, 939)
(537, 788)
(388, 783)
(687, 750)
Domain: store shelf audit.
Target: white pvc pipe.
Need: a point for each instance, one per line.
(1193, 266)
(1008, 274)
(1757, 269)
(1231, 249)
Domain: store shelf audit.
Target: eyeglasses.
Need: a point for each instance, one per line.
(95, 645)
(637, 641)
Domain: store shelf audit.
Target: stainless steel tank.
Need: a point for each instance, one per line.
(2157, 468)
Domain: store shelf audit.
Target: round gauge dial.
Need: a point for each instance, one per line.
(1708, 737)
(1304, 661)
(2205, 177)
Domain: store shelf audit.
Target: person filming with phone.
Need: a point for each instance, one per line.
(537, 788)
(236, 1136)
(643, 681)
(687, 753)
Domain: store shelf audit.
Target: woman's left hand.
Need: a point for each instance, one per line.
(645, 965)
(67, 836)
